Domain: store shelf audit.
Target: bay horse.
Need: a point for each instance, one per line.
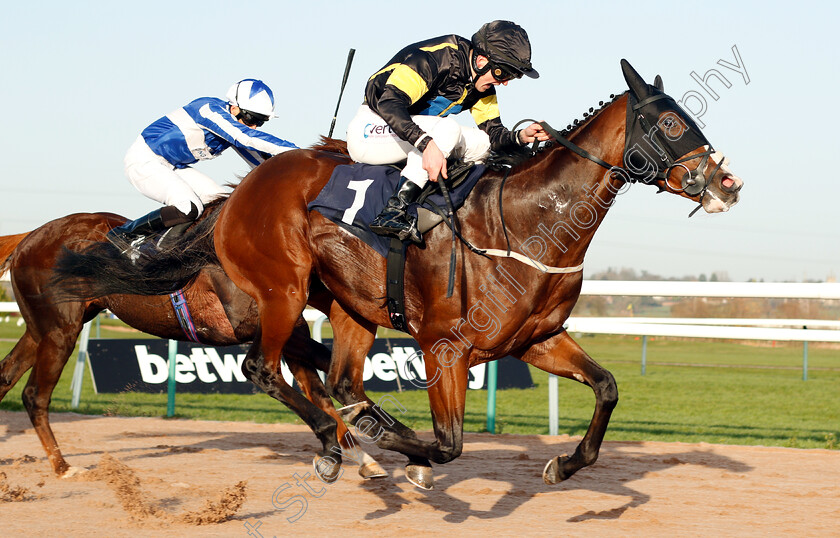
(539, 220)
(223, 315)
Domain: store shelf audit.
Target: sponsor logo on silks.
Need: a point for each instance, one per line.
(375, 130)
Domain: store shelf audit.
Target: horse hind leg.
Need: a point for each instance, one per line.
(301, 352)
(17, 362)
(562, 356)
(50, 361)
(315, 391)
(262, 367)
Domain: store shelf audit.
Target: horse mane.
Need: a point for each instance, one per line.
(520, 155)
(331, 145)
(210, 206)
(572, 128)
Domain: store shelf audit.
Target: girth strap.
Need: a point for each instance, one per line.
(182, 312)
(394, 284)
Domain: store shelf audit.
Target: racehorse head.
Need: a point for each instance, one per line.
(665, 147)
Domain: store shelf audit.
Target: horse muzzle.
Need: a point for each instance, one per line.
(720, 197)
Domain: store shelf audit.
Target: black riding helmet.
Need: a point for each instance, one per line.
(505, 44)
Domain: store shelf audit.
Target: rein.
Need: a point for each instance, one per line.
(694, 182)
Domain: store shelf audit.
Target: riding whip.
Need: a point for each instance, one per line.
(343, 83)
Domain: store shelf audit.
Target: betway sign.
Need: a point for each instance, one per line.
(143, 366)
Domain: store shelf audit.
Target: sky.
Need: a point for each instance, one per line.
(80, 81)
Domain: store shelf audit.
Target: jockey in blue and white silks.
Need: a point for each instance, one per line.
(159, 162)
(203, 129)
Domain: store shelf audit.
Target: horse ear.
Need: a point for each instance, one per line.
(657, 83)
(634, 80)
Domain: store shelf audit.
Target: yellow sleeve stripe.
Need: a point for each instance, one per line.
(383, 70)
(407, 80)
(487, 108)
(438, 47)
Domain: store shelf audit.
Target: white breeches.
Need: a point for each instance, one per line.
(371, 141)
(153, 176)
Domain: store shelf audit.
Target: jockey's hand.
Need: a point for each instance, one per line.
(533, 132)
(434, 162)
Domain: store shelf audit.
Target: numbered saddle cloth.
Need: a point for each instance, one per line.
(356, 193)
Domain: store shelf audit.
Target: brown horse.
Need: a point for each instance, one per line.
(273, 249)
(223, 315)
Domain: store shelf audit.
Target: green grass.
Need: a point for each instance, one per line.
(694, 391)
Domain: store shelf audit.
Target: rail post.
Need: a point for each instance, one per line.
(492, 374)
(553, 411)
(79, 371)
(805, 360)
(170, 392)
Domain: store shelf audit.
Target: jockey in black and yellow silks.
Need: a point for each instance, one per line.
(407, 103)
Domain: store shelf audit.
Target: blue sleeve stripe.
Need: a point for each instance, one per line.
(252, 158)
(241, 135)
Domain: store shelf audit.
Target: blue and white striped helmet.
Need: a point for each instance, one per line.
(252, 95)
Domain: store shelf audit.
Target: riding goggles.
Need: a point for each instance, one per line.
(504, 73)
(251, 119)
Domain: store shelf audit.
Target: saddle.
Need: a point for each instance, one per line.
(356, 194)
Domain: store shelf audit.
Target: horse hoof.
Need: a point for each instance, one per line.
(553, 472)
(328, 475)
(74, 471)
(372, 470)
(421, 476)
(349, 413)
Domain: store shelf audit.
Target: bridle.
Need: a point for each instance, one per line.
(641, 136)
(694, 182)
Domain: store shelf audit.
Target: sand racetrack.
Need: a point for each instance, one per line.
(148, 473)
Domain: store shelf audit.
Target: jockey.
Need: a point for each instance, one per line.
(407, 101)
(158, 163)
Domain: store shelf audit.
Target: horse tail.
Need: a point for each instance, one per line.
(8, 244)
(104, 269)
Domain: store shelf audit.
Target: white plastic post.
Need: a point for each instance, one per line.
(553, 405)
(79, 371)
(316, 328)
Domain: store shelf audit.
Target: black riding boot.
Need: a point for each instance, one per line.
(133, 230)
(394, 220)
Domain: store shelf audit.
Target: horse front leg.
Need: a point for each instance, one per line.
(562, 356)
